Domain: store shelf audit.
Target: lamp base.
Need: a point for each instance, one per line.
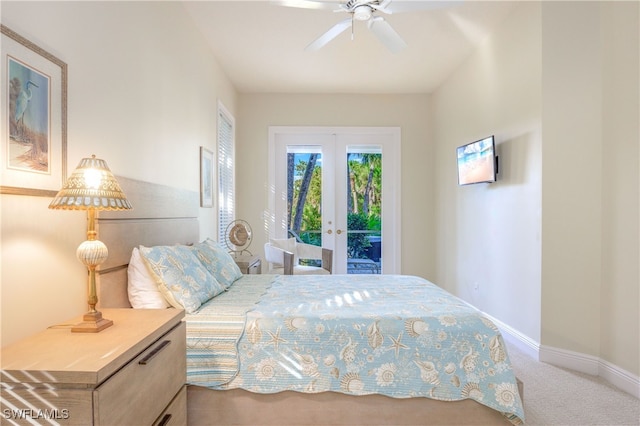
(92, 322)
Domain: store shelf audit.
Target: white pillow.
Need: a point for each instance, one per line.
(142, 288)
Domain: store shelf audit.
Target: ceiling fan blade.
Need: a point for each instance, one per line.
(307, 4)
(329, 35)
(386, 34)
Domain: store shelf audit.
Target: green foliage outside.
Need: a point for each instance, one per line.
(364, 189)
(357, 243)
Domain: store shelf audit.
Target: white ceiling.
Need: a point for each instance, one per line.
(261, 46)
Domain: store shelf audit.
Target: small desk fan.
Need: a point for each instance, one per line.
(239, 236)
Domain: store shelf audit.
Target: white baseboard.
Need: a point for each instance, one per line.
(620, 378)
(583, 363)
(512, 336)
(568, 359)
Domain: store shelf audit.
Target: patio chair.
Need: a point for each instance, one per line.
(284, 257)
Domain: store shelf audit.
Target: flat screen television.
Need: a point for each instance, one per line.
(477, 162)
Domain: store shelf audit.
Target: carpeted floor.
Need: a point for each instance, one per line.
(557, 396)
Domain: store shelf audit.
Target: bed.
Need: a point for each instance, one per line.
(270, 349)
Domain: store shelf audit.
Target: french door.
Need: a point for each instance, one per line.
(338, 188)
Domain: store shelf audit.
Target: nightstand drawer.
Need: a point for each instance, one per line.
(22, 405)
(176, 412)
(248, 264)
(255, 268)
(139, 392)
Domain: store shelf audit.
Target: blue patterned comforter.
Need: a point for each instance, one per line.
(399, 336)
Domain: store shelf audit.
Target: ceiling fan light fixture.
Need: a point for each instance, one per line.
(362, 13)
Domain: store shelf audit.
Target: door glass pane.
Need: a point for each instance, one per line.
(304, 194)
(364, 214)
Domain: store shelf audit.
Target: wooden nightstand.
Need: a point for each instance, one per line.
(249, 264)
(132, 373)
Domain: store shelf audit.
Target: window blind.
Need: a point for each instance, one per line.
(226, 184)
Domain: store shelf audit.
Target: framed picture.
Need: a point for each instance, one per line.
(33, 92)
(206, 177)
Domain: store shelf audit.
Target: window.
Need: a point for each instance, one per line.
(226, 183)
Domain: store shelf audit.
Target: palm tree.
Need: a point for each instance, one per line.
(302, 194)
(290, 174)
(374, 162)
(352, 205)
(361, 170)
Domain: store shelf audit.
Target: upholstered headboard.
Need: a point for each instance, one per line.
(161, 215)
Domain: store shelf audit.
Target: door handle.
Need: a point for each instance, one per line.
(329, 232)
(339, 231)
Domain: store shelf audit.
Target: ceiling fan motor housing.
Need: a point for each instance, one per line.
(362, 13)
(360, 10)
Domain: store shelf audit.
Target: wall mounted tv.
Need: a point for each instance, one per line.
(477, 162)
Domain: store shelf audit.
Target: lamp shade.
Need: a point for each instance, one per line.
(91, 186)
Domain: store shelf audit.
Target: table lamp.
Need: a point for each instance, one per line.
(91, 187)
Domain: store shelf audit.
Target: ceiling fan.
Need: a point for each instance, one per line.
(363, 10)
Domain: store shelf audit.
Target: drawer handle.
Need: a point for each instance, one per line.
(165, 420)
(150, 355)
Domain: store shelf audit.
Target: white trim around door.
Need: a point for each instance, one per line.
(336, 140)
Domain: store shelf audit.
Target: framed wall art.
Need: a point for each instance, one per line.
(33, 93)
(206, 177)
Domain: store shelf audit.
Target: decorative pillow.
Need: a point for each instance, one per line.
(288, 244)
(142, 288)
(181, 277)
(217, 261)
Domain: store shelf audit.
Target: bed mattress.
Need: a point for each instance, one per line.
(399, 336)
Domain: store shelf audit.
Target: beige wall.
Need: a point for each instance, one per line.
(591, 283)
(555, 254)
(572, 175)
(143, 91)
(488, 235)
(410, 112)
(621, 188)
